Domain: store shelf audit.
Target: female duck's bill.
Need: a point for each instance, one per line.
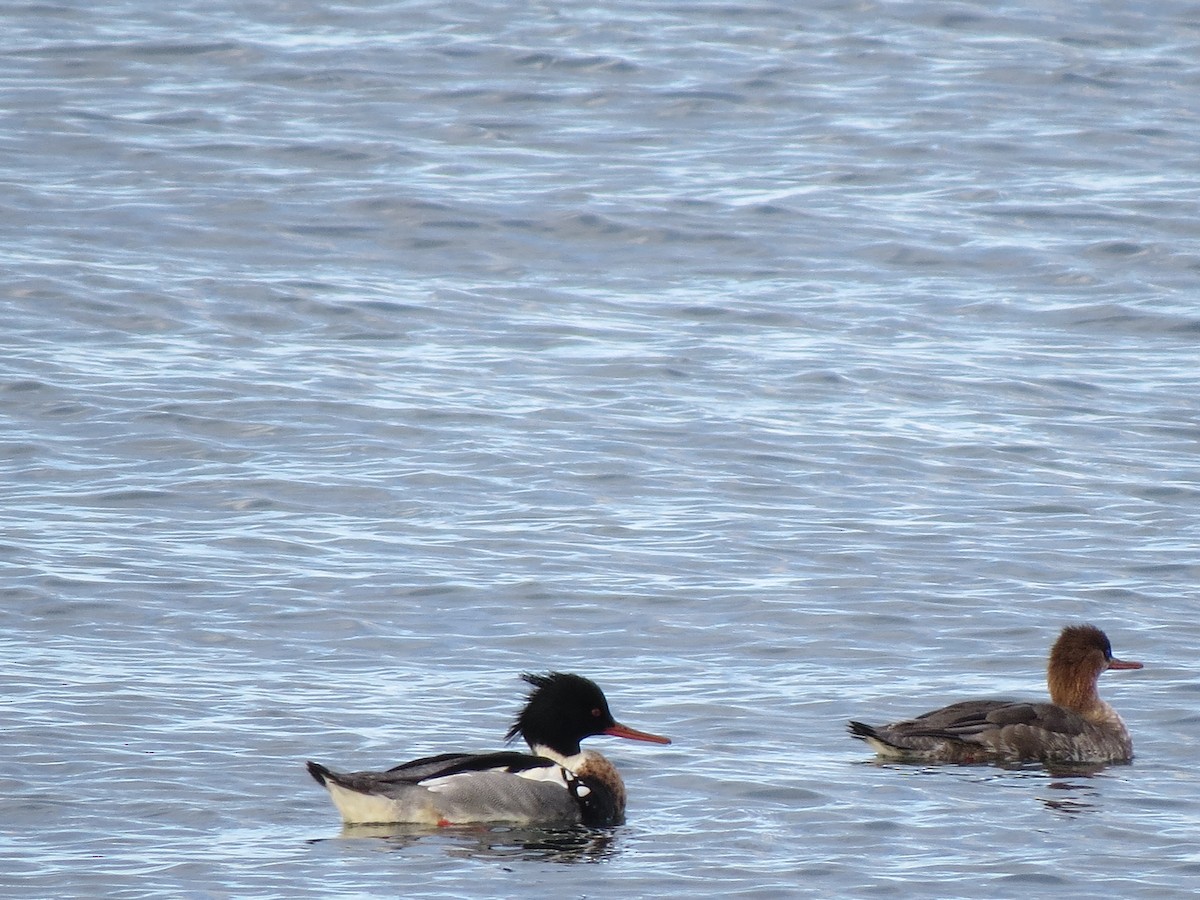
(1076, 726)
(557, 783)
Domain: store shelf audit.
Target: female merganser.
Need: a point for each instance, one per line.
(1075, 727)
(558, 785)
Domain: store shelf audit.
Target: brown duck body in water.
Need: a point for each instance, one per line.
(1076, 726)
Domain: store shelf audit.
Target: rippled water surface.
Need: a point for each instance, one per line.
(771, 364)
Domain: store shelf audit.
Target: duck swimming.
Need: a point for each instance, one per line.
(558, 783)
(1076, 726)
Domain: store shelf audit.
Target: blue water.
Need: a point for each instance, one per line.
(770, 365)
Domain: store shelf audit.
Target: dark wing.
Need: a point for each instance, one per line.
(969, 720)
(429, 767)
(957, 721)
(456, 763)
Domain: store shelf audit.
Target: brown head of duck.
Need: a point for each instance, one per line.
(1077, 659)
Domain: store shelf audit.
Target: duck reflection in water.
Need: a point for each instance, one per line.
(1076, 796)
(498, 842)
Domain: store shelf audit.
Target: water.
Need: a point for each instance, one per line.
(772, 366)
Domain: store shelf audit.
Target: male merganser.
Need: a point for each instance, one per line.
(1075, 727)
(559, 784)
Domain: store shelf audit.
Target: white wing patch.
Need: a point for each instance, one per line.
(552, 774)
(446, 782)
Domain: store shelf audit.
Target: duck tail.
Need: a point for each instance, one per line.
(859, 730)
(319, 773)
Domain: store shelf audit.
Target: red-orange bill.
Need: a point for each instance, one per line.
(624, 731)
(1115, 663)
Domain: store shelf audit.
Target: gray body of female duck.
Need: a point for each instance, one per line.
(1076, 726)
